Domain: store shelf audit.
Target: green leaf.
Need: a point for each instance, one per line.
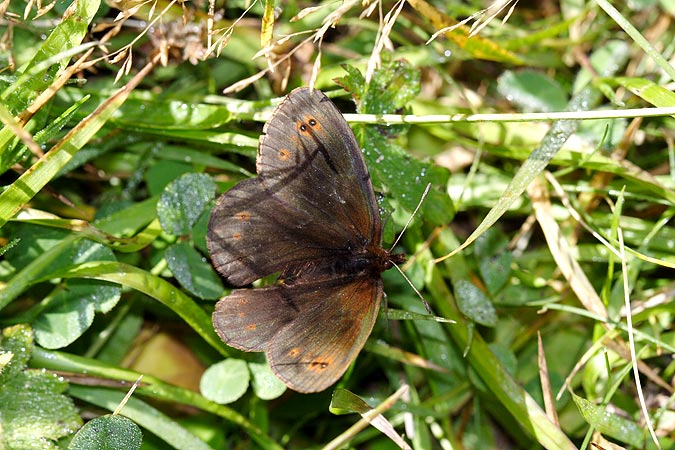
(346, 402)
(47, 257)
(610, 424)
(197, 157)
(141, 114)
(392, 169)
(126, 326)
(17, 341)
(71, 311)
(147, 112)
(34, 412)
(128, 221)
(648, 91)
(531, 91)
(668, 6)
(183, 201)
(193, 272)
(494, 260)
(143, 414)
(265, 384)
(34, 241)
(400, 314)
(159, 175)
(226, 381)
(475, 304)
(108, 433)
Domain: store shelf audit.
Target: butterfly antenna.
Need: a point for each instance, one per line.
(424, 195)
(419, 294)
(386, 311)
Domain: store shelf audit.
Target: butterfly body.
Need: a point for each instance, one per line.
(311, 217)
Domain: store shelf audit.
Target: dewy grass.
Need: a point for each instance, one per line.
(544, 135)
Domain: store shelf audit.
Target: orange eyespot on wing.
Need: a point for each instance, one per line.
(319, 365)
(284, 154)
(243, 216)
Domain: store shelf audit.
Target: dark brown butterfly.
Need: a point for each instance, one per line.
(310, 216)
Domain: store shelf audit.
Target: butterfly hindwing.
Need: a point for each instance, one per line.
(311, 331)
(248, 319)
(314, 350)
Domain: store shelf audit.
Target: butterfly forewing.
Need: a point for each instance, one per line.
(253, 234)
(312, 200)
(313, 162)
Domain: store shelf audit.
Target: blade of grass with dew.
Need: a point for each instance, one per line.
(43, 171)
(155, 287)
(611, 58)
(56, 50)
(50, 60)
(512, 396)
(648, 91)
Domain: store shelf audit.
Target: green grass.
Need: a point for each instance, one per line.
(547, 140)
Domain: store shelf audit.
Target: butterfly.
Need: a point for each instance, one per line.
(311, 217)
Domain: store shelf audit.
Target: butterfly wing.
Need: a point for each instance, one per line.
(253, 234)
(309, 157)
(313, 351)
(312, 200)
(311, 331)
(248, 319)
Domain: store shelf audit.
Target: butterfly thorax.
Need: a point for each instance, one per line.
(369, 262)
